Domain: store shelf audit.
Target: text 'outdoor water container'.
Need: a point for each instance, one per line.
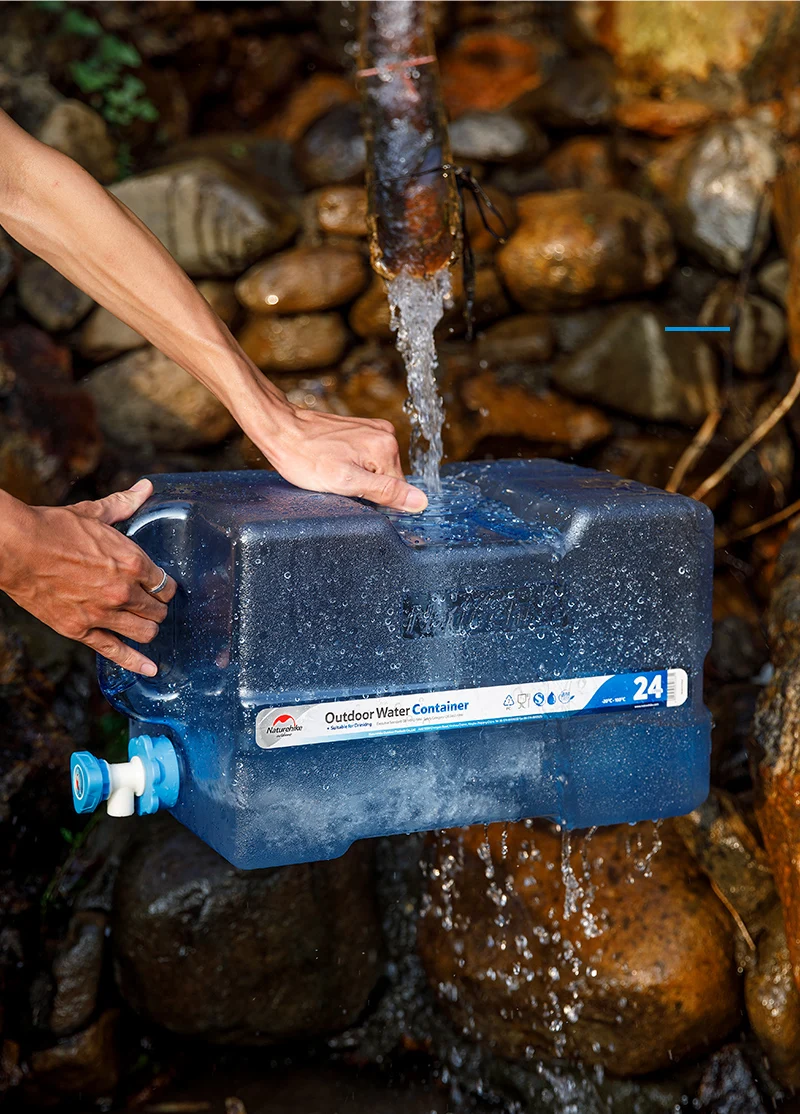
(530, 646)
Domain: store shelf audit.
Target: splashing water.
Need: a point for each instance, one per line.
(417, 305)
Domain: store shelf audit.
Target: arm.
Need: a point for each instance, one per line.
(56, 210)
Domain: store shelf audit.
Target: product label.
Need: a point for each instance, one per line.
(300, 724)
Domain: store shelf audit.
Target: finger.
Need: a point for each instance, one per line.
(119, 506)
(167, 592)
(104, 643)
(387, 491)
(146, 605)
(131, 626)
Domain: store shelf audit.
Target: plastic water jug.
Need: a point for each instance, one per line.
(531, 645)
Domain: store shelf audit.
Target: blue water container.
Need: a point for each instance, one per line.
(532, 645)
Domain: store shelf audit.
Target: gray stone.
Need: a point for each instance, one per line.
(579, 95)
(333, 151)
(144, 399)
(721, 190)
(77, 970)
(51, 300)
(243, 956)
(213, 222)
(76, 130)
(759, 332)
(496, 137)
(632, 365)
(774, 280)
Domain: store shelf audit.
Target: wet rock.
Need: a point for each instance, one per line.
(316, 96)
(650, 980)
(212, 222)
(584, 162)
(522, 339)
(144, 399)
(77, 969)
(760, 327)
(261, 160)
(718, 206)
(738, 651)
(573, 248)
(579, 95)
(48, 429)
(85, 1065)
(732, 709)
(673, 373)
(301, 944)
(764, 477)
(333, 151)
(342, 210)
(647, 458)
(486, 71)
(303, 280)
(496, 137)
(76, 130)
(773, 1001)
(8, 261)
(663, 118)
(263, 66)
(51, 300)
(288, 344)
(774, 280)
(221, 296)
(728, 1086)
(508, 411)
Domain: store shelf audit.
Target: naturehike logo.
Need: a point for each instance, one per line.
(485, 610)
(279, 726)
(285, 719)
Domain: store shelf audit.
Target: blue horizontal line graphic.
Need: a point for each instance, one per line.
(697, 328)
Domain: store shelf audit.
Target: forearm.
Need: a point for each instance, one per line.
(12, 533)
(58, 211)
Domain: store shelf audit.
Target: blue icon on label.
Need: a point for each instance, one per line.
(565, 697)
(508, 702)
(538, 699)
(551, 698)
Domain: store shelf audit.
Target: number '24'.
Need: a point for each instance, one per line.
(643, 692)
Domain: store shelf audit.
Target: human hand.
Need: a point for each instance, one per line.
(328, 452)
(70, 568)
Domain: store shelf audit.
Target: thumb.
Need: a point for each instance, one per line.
(389, 491)
(121, 505)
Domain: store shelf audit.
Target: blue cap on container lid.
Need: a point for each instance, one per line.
(89, 779)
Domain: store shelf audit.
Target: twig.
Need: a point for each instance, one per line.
(692, 453)
(748, 939)
(758, 435)
(758, 527)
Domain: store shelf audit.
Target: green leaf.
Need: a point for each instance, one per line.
(76, 22)
(117, 53)
(89, 77)
(51, 5)
(67, 836)
(147, 111)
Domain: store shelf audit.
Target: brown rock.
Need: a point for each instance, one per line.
(221, 296)
(289, 344)
(663, 118)
(211, 221)
(773, 1001)
(243, 956)
(496, 137)
(584, 162)
(480, 237)
(487, 70)
(525, 338)
(303, 280)
(645, 977)
(760, 327)
(76, 130)
(263, 65)
(578, 95)
(51, 300)
(342, 210)
(333, 151)
(144, 399)
(316, 96)
(645, 457)
(77, 970)
(774, 280)
(787, 219)
(264, 161)
(86, 1064)
(573, 248)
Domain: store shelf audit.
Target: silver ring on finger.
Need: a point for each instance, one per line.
(161, 584)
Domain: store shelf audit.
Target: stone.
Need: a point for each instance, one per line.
(732, 708)
(773, 1001)
(303, 280)
(288, 344)
(579, 95)
(85, 1065)
(77, 971)
(496, 137)
(51, 300)
(263, 66)
(663, 118)
(342, 210)
(487, 70)
(522, 339)
(211, 222)
(643, 978)
(145, 399)
(317, 95)
(8, 261)
(510, 411)
(647, 457)
(720, 205)
(243, 956)
(333, 150)
(104, 336)
(728, 1085)
(573, 248)
(632, 365)
(738, 650)
(763, 479)
(584, 162)
(76, 130)
(773, 279)
(261, 160)
(760, 327)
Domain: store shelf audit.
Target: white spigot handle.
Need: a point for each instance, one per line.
(127, 781)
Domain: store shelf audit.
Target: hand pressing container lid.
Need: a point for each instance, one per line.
(532, 645)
